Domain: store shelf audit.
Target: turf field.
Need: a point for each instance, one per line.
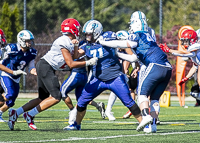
(178, 125)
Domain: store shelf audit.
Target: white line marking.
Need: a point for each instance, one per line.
(102, 138)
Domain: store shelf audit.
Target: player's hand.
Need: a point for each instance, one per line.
(183, 81)
(92, 61)
(18, 72)
(75, 42)
(164, 47)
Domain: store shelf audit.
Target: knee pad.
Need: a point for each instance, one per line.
(81, 109)
(63, 98)
(135, 110)
(142, 98)
(154, 106)
(2, 98)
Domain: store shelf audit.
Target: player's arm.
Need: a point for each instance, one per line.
(76, 64)
(130, 56)
(31, 67)
(184, 53)
(14, 72)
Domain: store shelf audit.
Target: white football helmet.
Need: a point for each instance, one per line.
(138, 15)
(94, 27)
(198, 34)
(138, 25)
(24, 35)
(122, 35)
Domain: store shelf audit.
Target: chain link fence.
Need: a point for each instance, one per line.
(29, 83)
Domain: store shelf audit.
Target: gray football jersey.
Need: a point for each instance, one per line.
(54, 56)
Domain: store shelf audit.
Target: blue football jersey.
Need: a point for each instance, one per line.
(108, 65)
(82, 69)
(16, 59)
(147, 49)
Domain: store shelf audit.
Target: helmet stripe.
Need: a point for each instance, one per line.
(31, 35)
(142, 22)
(140, 14)
(84, 28)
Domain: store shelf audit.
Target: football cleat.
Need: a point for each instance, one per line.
(72, 116)
(12, 118)
(158, 121)
(73, 127)
(151, 128)
(110, 116)
(127, 115)
(101, 109)
(145, 120)
(29, 120)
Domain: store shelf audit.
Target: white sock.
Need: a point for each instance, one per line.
(111, 100)
(33, 112)
(19, 111)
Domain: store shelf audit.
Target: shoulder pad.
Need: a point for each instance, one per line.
(109, 35)
(33, 51)
(132, 37)
(13, 47)
(194, 47)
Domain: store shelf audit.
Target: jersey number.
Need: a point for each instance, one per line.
(21, 65)
(99, 51)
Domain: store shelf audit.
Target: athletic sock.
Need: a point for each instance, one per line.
(154, 121)
(145, 112)
(33, 112)
(93, 103)
(111, 100)
(19, 111)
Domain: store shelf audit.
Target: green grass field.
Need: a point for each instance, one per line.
(178, 124)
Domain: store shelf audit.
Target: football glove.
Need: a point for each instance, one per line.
(18, 72)
(183, 81)
(92, 61)
(164, 47)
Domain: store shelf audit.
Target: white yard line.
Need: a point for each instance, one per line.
(101, 138)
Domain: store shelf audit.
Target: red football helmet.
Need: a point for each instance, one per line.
(3, 41)
(189, 36)
(70, 25)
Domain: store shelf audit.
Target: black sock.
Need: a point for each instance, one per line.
(95, 104)
(154, 121)
(145, 112)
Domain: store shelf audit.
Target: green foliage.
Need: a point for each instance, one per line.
(9, 22)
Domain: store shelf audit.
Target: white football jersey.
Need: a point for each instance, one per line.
(54, 56)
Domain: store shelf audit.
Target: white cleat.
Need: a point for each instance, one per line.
(73, 127)
(72, 116)
(150, 128)
(110, 116)
(2, 120)
(145, 121)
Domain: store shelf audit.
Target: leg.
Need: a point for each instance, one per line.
(91, 90)
(111, 100)
(100, 107)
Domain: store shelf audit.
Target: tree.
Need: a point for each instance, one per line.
(10, 22)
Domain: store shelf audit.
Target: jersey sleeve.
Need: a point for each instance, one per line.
(133, 40)
(63, 42)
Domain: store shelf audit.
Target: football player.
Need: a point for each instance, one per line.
(59, 57)
(77, 80)
(17, 57)
(153, 81)
(189, 40)
(107, 74)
